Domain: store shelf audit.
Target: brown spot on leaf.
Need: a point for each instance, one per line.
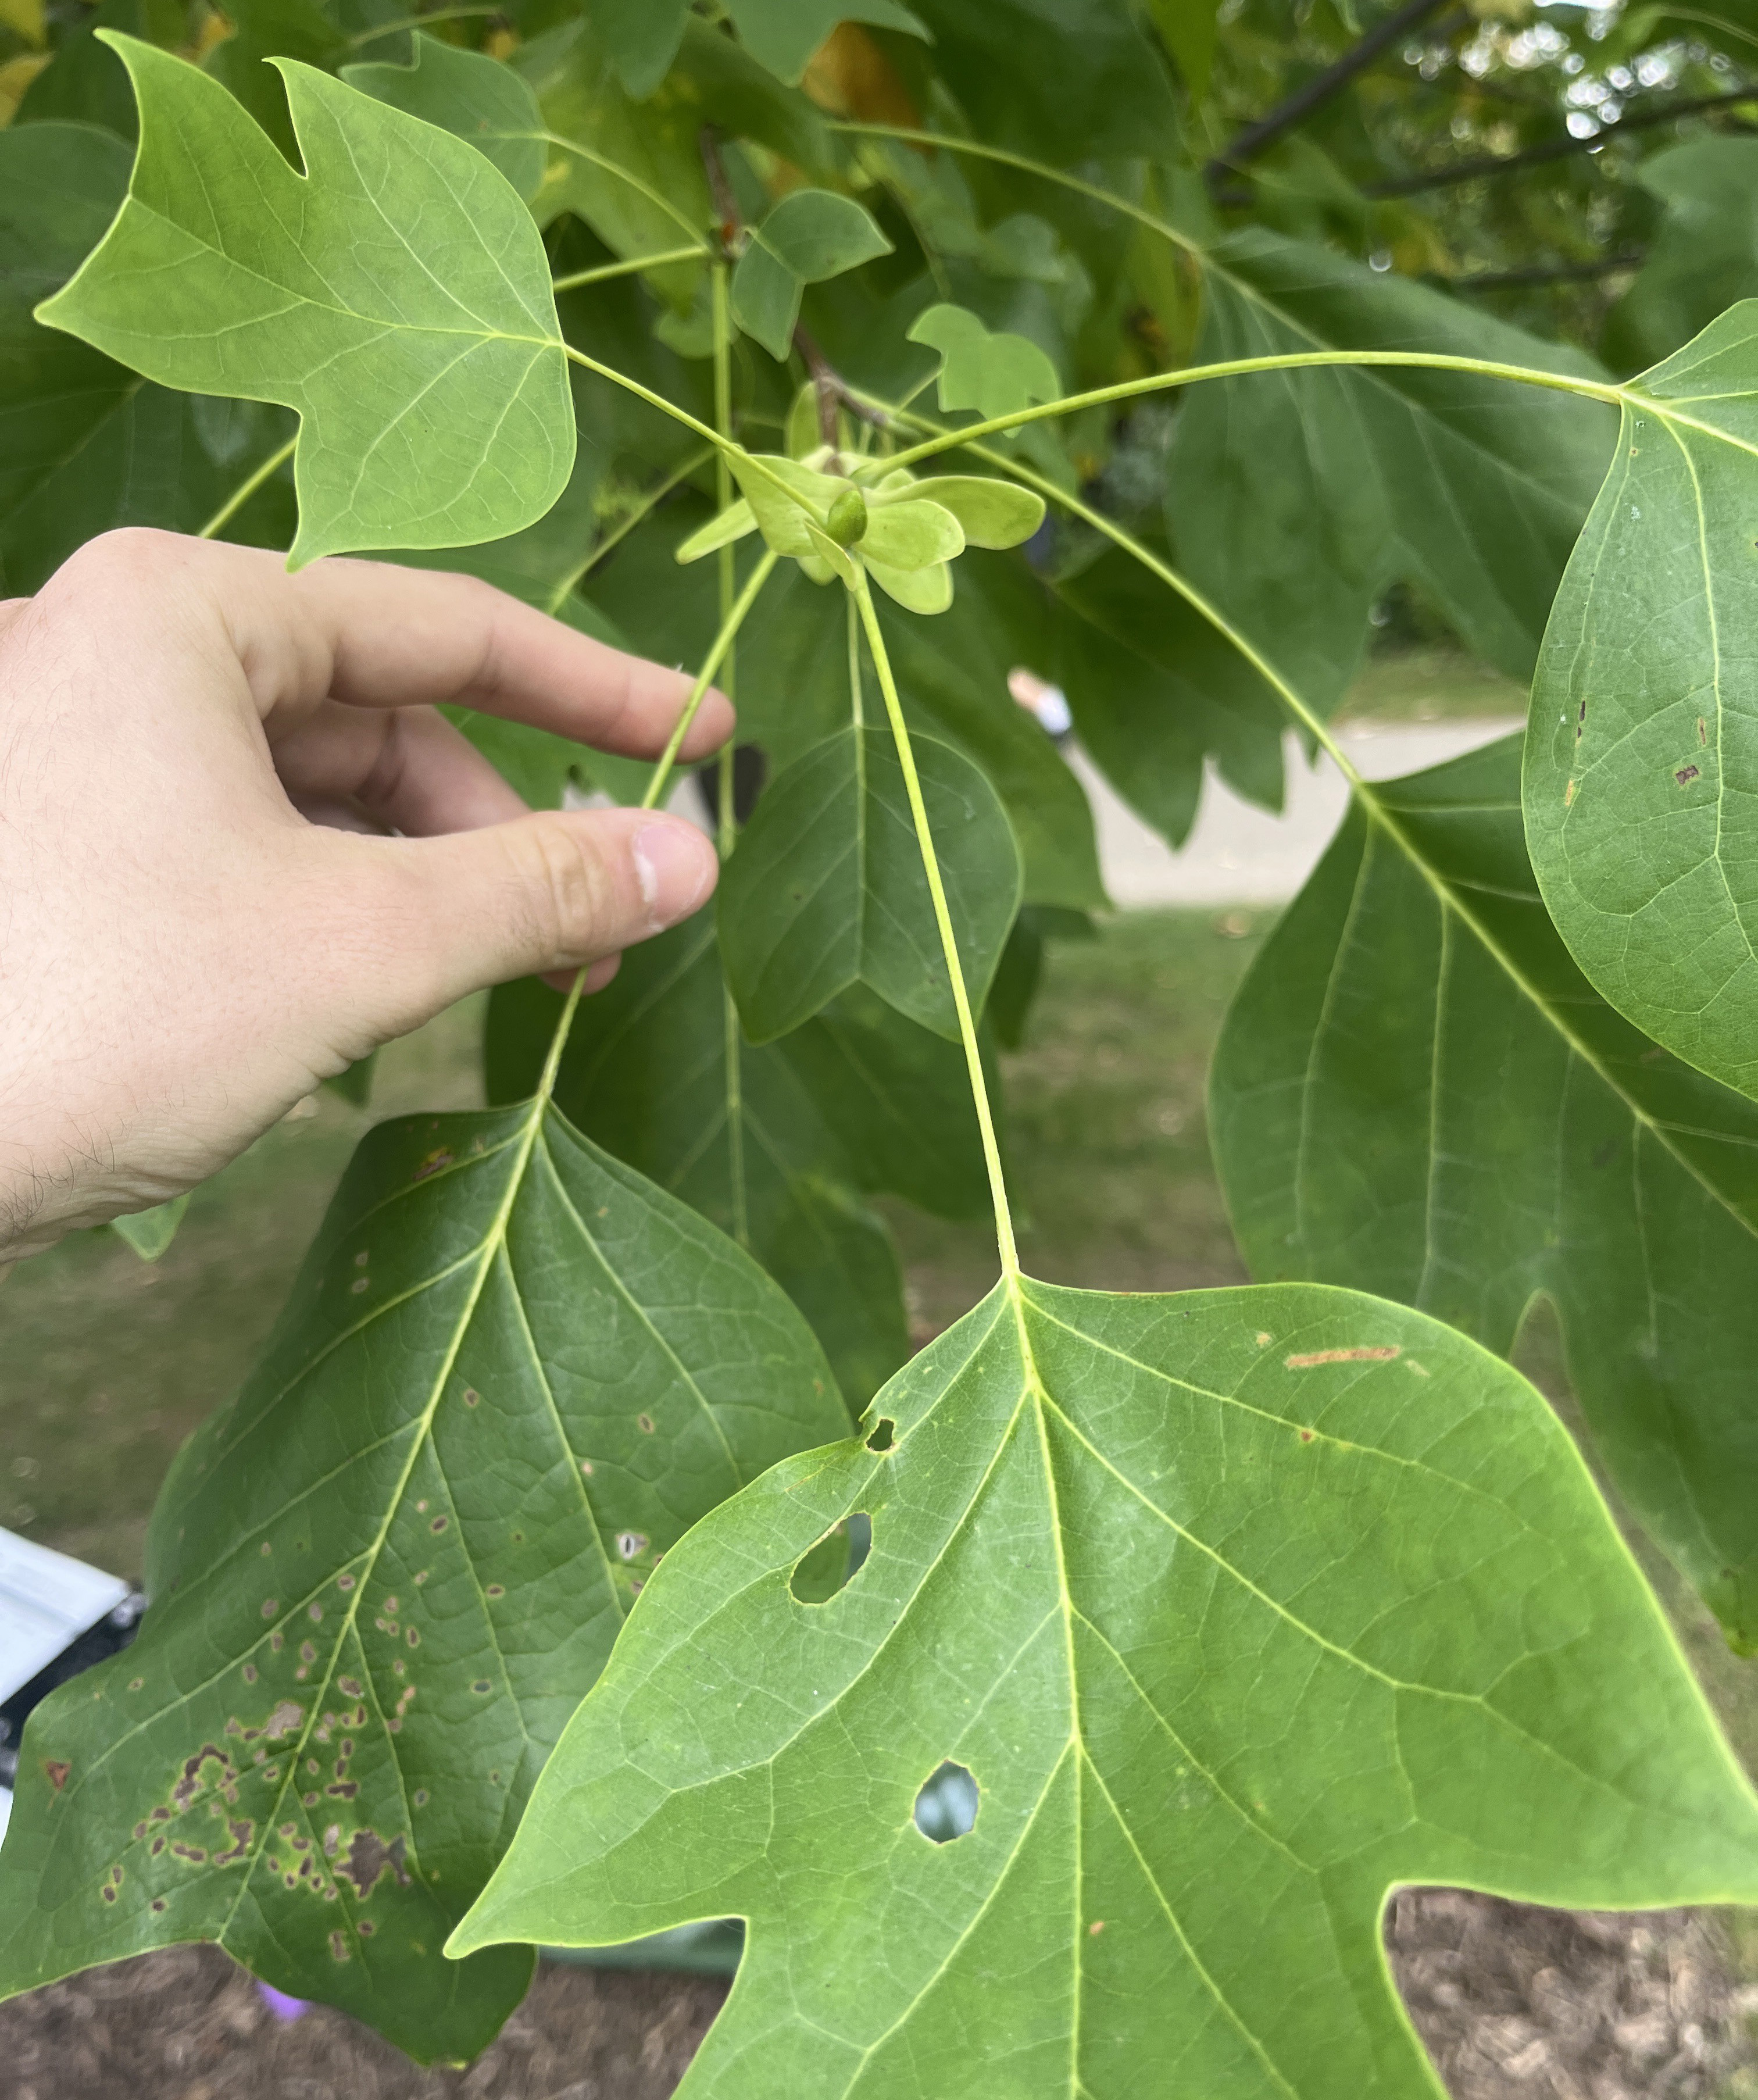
(644, 1423)
(1687, 774)
(350, 1687)
(338, 1946)
(1095, 1928)
(269, 1608)
(370, 1859)
(432, 1164)
(1703, 731)
(344, 1583)
(471, 1396)
(1306, 1435)
(242, 1833)
(1381, 1353)
(630, 1543)
(1568, 795)
(439, 1523)
(190, 1784)
(57, 1769)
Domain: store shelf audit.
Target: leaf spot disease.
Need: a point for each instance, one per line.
(644, 1423)
(57, 1770)
(1367, 1353)
(1686, 774)
(369, 1860)
(630, 1543)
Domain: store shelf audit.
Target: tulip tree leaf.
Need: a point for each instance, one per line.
(1239, 1608)
(827, 888)
(809, 236)
(997, 374)
(1295, 497)
(397, 296)
(783, 34)
(150, 1232)
(263, 31)
(85, 444)
(511, 1375)
(470, 94)
(1704, 253)
(1417, 1094)
(778, 1151)
(1642, 752)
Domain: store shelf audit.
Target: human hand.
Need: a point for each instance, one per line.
(184, 953)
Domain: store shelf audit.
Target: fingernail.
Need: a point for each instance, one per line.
(675, 866)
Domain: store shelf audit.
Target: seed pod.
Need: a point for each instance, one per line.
(848, 521)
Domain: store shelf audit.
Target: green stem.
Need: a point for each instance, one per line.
(961, 1000)
(418, 22)
(727, 828)
(1293, 360)
(606, 270)
(728, 446)
(248, 487)
(856, 711)
(649, 504)
(711, 664)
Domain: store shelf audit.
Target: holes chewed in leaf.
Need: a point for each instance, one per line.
(884, 1435)
(825, 1570)
(946, 1806)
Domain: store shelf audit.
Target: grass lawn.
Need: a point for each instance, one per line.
(109, 1363)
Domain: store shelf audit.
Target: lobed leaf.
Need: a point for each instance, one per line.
(774, 1145)
(826, 888)
(1416, 1093)
(1240, 1608)
(1642, 752)
(996, 374)
(86, 444)
(511, 1375)
(397, 297)
(1295, 497)
(1703, 257)
(469, 94)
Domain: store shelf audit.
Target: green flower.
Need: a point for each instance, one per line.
(905, 533)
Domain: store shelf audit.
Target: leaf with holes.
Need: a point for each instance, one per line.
(511, 1375)
(826, 888)
(396, 295)
(469, 94)
(1241, 1607)
(1416, 1093)
(1642, 752)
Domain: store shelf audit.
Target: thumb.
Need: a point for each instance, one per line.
(552, 891)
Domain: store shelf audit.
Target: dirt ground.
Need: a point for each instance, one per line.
(1514, 2004)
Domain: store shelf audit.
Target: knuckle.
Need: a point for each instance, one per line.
(571, 895)
(127, 554)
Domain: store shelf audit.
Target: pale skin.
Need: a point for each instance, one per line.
(240, 849)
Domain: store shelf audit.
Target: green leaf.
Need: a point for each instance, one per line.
(511, 1375)
(809, 236)
(827, 888)
(991, 513)
(1064, 81)
(639, 184)
(912, 536)
(1156, 691)
(86, 444)
(262, 31)
(1188, 28)
(1295, 497)
(1239, 1608)
(471, 95)
(85, 83)
(773, 1146)
(1417, 1094)
(995, 374)
(783, 34)
(431, 414)
(150, 1232)
(1639, 755)
(1704, 253)
(642, 37)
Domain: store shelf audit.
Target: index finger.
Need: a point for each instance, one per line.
(371, 634)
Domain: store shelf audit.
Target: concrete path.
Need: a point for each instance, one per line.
(1237, 854)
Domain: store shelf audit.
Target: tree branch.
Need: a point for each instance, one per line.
(1552, 149)
(1300, 105)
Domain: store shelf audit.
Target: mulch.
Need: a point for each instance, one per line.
(1512, 2003)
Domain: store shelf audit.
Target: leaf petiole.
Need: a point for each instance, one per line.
(606, 270)
(248, 487)
(861, 592)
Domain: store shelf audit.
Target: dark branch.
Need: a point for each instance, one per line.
(1546, 273)
(730, 224)
(1318, 91)
(1552, 149)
